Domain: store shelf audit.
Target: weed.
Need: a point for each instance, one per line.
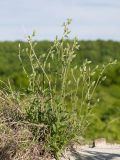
(57, 105)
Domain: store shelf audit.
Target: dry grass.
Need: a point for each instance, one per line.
(16, 139)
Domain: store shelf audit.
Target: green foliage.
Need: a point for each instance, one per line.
(51, 94)
(96, 51)
(58, 99)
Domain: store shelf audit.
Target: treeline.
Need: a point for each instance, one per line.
(97, 51)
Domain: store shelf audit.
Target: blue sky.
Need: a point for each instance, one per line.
(92, 19)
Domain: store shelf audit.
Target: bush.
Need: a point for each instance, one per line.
(56, 107)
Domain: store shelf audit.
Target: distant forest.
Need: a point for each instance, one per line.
(106, 122)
